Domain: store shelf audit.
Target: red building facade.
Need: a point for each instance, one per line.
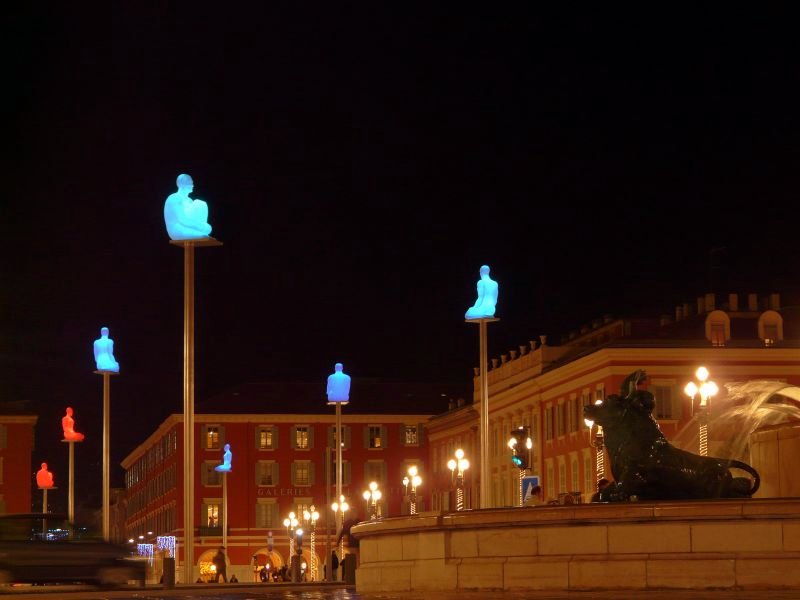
(16, 470)
(282, 463)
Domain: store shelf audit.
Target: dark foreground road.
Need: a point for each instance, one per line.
(338, 592)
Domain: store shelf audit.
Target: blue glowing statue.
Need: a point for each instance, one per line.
(186, 218)
(338, 386)
(487, 297)
(226, 460)
(104, 352)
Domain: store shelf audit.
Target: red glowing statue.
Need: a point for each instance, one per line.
(68, 424)
(44, 478)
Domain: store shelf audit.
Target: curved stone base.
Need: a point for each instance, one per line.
(742, 544)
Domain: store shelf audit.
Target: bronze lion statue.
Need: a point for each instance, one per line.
(644, 464)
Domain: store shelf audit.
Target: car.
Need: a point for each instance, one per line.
(46, 548)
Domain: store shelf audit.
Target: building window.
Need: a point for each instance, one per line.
(302, 473)
(210, 476)
(717, 334)
(266, 438)
(770, 334)
(375, 470)
(663, 399)
(562, 477)
(560, 411)
(410, 435)
(212, 515)
(770, 327)
(718, 327)
(550, 482)
(212, 437)
(588, 473)
(266, 473)
(548, 423)
(301, 437)
(574, 474)
(572, 415)
(375, 433)
(346, 471)
(599, 394)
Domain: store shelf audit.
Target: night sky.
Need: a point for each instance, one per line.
(359, 167)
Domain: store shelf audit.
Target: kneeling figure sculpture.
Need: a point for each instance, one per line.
(646, 465)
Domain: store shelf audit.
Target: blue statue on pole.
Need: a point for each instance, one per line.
(226, 460)
(338, 386)
(487, 297)
(186, 218)
(104, 352)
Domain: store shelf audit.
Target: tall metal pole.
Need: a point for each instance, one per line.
(188, 399)
(486, 472)
(71, 494)
(225, 511)
(188, 412)
(106, 456)
(339, 513)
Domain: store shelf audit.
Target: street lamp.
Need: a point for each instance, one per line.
(458, 466)
(371, 497)
(414, 480)
(311, 517)
(520, 444)
(598, 444)
(291, 523)
(706, 390)
(337, 507)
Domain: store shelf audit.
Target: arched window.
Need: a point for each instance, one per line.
(718, 327)
(770, 327)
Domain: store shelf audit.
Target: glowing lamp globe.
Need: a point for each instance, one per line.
(338, 386)
(186, 218)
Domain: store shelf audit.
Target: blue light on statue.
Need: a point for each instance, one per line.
(226, 460)
(186, 218)
(487, 297)
(104, 352)
(338, 386)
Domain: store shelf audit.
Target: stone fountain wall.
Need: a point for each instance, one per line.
(728, 544)
(775, 454)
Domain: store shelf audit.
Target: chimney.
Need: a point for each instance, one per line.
(687, 310)
(665, 320)
(752, 302)
(523, 350)
(543, 339)
(679, 312)
(596, 323)
(584, 329)
(503, 358)
(733, 302)
(607, 319)
(477, 371)
(495, 362)
(701, 304)
(513, 354)
(460, 402)
(775, 301)
(533, 344)
(711, 302)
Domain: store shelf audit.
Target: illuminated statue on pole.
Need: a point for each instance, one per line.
(487, 297)
(226, 460)
(186, 218)
(44, 478)
(338, 386)
(104, 352)
(68, 425)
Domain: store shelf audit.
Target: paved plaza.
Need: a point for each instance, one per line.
(336, 592)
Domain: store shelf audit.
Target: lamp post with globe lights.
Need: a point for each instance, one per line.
(598, 444)
(310, 517)
(372, 496)
(458, 467)
(414, 480)
(705, 390)
(340, 507)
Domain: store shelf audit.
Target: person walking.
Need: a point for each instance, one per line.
(334, 565)
(219, 562)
